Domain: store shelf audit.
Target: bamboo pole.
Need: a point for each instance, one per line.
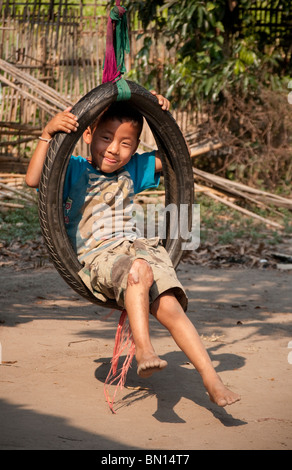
(244, 191)
(244, 211)
(38, 86)
(49, 109)
(200, 150)
(18, 192)
(13, 205)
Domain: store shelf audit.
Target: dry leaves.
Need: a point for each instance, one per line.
(24, 255)
(239, 253)
(33, 254)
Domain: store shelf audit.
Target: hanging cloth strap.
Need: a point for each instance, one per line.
(117, 44)
(123, 343)
(124, 92)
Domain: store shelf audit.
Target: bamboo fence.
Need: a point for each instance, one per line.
(51, 53)
(60, 49)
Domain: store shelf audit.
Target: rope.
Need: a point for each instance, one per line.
(123, 341)
(117, 44)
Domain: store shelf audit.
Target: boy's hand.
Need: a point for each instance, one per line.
(62, 122)
(164, 103)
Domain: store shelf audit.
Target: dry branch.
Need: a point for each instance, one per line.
(43, 90)
(44, 96)
(201, 149)
(14, 143)
(11, 205)
(243, 191)
(42, 104)
(18, 192)
(244, 211)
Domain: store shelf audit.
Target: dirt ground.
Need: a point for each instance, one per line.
(57, 347)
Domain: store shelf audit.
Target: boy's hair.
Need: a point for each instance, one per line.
(123, 112)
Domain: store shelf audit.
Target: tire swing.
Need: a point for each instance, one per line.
(177, 172)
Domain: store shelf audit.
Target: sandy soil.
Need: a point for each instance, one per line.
(57, 347)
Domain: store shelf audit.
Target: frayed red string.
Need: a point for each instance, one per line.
(124, 340)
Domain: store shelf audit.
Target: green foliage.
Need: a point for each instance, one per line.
(233, 73)
(226, 226)
(88, 9)
(210, 54)
(22, 224)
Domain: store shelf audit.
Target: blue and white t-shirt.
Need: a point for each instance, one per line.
(97, 205)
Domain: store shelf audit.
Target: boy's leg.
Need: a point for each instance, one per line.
(140, 279)
(170, 314)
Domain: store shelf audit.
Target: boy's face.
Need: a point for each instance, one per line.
(112, 144)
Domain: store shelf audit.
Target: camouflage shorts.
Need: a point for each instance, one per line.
(107, 273)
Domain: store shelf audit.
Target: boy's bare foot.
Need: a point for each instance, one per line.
(149, 364)
(219, 394)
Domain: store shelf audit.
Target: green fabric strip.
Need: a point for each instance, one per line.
(122, 44)
(124, 92)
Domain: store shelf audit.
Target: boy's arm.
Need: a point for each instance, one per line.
(165, 105)
(158, 163)
(62, 122)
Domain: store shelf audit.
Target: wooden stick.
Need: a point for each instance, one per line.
(11, 204)
(218, 179)
(235, 188)
(26, 94)
(17, 191)
(12, 175)
(14, 143)
(244, 211)
(200, 150)
(38, 86)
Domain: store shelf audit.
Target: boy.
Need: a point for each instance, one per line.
(117, 262)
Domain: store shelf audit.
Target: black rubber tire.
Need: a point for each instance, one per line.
(177, 172)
